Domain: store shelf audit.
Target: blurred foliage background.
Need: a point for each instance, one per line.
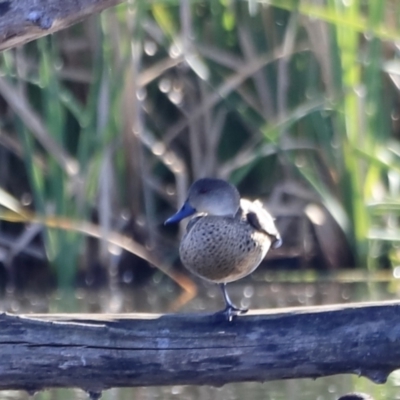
(104, 125)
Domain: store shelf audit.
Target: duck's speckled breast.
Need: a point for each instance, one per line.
(223, 249)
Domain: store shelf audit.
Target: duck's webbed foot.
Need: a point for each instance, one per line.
(230, 311)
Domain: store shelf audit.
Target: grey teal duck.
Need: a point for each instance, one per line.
(227, 237)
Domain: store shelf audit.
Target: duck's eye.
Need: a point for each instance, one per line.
(203, 190)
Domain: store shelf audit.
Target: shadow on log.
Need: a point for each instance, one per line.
(24, 20)
(96, 352)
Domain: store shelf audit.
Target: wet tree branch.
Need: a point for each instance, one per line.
(96, 352)
(24, 20)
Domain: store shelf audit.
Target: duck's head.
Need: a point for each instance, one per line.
(356, 396)
(209, 196)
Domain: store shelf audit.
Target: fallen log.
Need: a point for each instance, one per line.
(96, 352)
(24, 20)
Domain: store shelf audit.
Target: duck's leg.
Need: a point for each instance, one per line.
(230, 310)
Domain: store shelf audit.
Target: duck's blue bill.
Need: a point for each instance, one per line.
(186, 211)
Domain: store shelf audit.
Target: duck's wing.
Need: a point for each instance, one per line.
(257, 216)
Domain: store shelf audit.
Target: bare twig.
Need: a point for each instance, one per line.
(21, 107)
(115, 239)
(24, 20)
(230, 84)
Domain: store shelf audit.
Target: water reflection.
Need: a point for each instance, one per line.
(258, 291)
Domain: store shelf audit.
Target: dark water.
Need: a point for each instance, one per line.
(262, 290)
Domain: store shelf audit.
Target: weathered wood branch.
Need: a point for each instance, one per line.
(24, 20)
(96, 352)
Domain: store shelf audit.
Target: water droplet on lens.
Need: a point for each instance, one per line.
(248, 292)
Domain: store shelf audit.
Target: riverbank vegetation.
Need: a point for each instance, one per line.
(105, 124)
